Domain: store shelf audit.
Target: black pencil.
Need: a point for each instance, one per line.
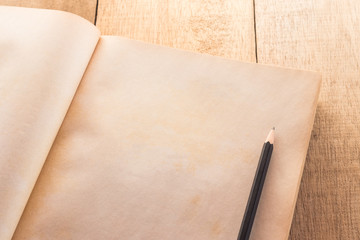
(258, 183)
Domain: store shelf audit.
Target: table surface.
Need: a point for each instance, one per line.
(319, 35)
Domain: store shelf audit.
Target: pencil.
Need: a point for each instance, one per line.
(258, 183)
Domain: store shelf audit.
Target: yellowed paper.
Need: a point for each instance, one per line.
(43, 55)
(163, 144)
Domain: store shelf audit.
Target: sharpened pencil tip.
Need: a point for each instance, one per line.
(270, 138)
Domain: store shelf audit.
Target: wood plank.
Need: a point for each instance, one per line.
(83, 8)
(323, 36)
(223, 28)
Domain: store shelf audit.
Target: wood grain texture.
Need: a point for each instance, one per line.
(217, 27)
(323, 36)
(83, 8)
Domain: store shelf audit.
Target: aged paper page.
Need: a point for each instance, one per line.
(43, 55)
(163, 144)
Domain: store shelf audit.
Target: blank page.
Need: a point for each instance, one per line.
(43, 56)
(163, 144)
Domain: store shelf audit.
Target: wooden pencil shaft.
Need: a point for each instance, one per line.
(246, 222)
(258, 195)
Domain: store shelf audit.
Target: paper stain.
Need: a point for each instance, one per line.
(191, 209)
(216, 228)
(195, 200)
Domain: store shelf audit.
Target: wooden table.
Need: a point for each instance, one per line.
(320, 35)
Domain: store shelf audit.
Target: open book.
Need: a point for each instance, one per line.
(109, 138)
